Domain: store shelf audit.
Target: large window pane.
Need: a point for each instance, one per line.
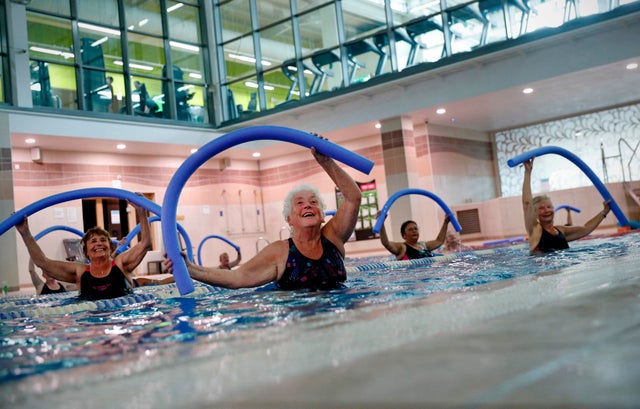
(274, 10)
(60, 7)
(189, 59)
(93, 37)
(361, 18)
(146, 55)
(276, 44)
(240, 58)
(236, 19)
(319, 29)
(97, 94)
(184, 23)
(49, 38)
(143, 16)
(279, 87)
(53, 85)
(147, 97)
(304, 5)
(101, 12)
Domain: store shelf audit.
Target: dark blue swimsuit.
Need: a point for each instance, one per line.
(548, 242)
(412, 254)
(113, 285)
(301, 272)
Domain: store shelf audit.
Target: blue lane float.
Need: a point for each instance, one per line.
(49, 201)
(134, 232)
(385, 209)
(573, 209)
(56, 228)
(604, 192)
(214, 236)
(212, 148)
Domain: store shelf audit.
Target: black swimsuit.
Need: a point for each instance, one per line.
(548, 242)
(325, 273)
(113, 285)
(411, 253)
(46, 290)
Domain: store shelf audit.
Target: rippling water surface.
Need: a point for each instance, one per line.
(35, 338)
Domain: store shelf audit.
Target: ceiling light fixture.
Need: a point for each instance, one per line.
(121, 146)
(441, 111)
(527, 90)
(30, 141)
(632, 66)
(174, 7)
(256, 154)
(378, 125)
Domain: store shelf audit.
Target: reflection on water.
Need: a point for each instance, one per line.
(180, 325)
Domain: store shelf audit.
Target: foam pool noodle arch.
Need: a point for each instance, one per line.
(604, 192)
(212, 148)
(214, 236)
(134, 232)
(387, 206)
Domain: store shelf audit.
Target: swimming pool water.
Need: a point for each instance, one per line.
(41, 340)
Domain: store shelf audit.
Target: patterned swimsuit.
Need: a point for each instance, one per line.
(326, 273)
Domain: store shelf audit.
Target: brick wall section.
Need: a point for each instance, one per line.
(33, 174)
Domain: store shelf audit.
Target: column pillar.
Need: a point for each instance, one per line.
(8, 246)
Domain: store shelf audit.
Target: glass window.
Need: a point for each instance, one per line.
(246, 96)
(280, 87)
(304, 5)
(328, 68)
(49, 38)
(146, 55)
(60, 7)
(102, 12)
(189, 59)
(240, 58)
(53, 85)
(193, 107)
(276, 44)
(184, 22)
(415, 9)
(103, 41)
(143, 16)
(426, 40)
(2, 77)
(236, 19)
(147, 97)
(274, 10)
(115, 91)
(319, 29)
(361, 19)
(97, 92)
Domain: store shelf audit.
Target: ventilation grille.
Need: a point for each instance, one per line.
(469, 221)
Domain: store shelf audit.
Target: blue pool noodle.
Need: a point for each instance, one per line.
(523, 157)
(212, 148)
(136, 230)
(55, 228)
(214, 236)
(560, 207)
(385, 209)
(49, 201)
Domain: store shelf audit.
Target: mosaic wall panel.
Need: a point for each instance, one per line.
(608, 142)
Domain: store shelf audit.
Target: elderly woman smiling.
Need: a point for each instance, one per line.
(313, 257)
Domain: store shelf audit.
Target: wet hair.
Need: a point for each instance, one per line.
(286, 207)
(404, 225)
(539, 199)
(96, 231)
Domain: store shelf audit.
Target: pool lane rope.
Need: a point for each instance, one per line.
(604, 192)
(212, 148)
(387, 206)
(214, 236)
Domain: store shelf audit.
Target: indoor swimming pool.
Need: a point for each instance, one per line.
(255, 348)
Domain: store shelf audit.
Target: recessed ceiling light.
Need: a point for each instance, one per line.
(527, 90)
(441, 111)
(632, 66)
(194, 150)
(378, 125)
(256, 154)
(30, 141)
(121, 146)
